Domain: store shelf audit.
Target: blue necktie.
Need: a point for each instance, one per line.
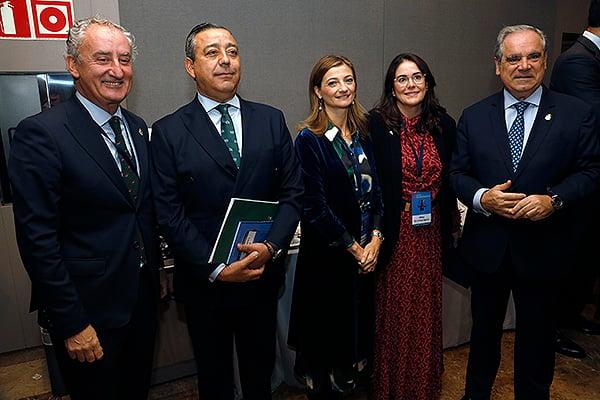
(516, 133)
(228, 133)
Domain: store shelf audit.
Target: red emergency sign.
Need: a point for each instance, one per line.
(35, 19)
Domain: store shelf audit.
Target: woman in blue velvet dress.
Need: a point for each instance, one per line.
(332, 319)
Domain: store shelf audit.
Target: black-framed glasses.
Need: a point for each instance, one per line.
(417, 79)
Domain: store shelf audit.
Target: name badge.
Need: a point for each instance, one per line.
(421, 208)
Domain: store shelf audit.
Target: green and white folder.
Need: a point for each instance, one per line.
(242, 217)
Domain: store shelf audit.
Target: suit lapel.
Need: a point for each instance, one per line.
(539, 130)
(499, 132)
(198, 123)
(89, 135)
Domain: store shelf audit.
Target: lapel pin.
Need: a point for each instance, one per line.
(142, 133)
(548, 117)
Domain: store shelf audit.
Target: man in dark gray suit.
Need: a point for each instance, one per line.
(577, 72)
(524, 160)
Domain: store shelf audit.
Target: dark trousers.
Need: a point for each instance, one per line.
(124, 372)
(577, 289)
(213, 332)
(534, 333)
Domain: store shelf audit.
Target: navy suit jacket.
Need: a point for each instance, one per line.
(577, 72)
(76, 223)
(562, 155)
(194, 179)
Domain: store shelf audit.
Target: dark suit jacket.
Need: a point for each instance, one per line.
(195, 177)
(389, 168)
(76, 223)
(562, 155)
(577, 72)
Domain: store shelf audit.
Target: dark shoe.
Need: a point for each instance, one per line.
(586, 326)
(567, 347)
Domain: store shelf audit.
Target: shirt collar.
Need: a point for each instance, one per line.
(99, 115)
(595, 39)
(331, 131)
(534, 98)
(210, 104)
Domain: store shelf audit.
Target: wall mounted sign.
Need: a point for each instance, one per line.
(35, 19)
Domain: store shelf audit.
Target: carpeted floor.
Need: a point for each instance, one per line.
(23, 376)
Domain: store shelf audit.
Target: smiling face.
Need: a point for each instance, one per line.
(103, 73)
(338, 88)
(409, 97)
(216, 68)
(523, 63)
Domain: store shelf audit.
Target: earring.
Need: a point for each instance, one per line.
(352, 102)
(320, 104)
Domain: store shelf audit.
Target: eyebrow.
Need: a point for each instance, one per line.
(108, 53)
(208, 46)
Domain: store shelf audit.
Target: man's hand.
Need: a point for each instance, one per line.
(240, 271)
(497, 201)
(85, 346)
(261, 249)
(534, 207)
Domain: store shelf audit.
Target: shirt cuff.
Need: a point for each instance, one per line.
(477, 202)
(213, 276)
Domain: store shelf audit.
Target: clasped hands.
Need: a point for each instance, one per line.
(534, 207)
(250, 268)
(367, 256)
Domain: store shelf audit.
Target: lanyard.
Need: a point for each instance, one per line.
(419, 156)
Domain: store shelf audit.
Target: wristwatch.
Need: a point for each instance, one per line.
(273, 249)
(377, 234)
(556, 202)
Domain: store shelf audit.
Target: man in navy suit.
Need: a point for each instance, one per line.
(521, 232)
(577, 72)
(85, 221)
(196, 173)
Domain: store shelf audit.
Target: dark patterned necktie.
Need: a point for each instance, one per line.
(516, 133)
(130, 176)
(127, 163)
(228, 133)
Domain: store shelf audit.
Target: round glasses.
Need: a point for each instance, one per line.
(402, 80)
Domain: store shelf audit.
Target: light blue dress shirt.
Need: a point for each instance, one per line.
(101, 117)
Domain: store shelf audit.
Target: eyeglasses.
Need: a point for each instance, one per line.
(417, 79)
(532, 58)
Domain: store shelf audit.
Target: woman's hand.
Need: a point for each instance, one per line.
(369, 260)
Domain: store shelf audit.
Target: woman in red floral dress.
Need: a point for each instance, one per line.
(413, 138)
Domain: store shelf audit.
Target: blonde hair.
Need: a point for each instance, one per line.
(317, 120)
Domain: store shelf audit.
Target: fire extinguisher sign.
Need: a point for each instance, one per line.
(35, 19)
